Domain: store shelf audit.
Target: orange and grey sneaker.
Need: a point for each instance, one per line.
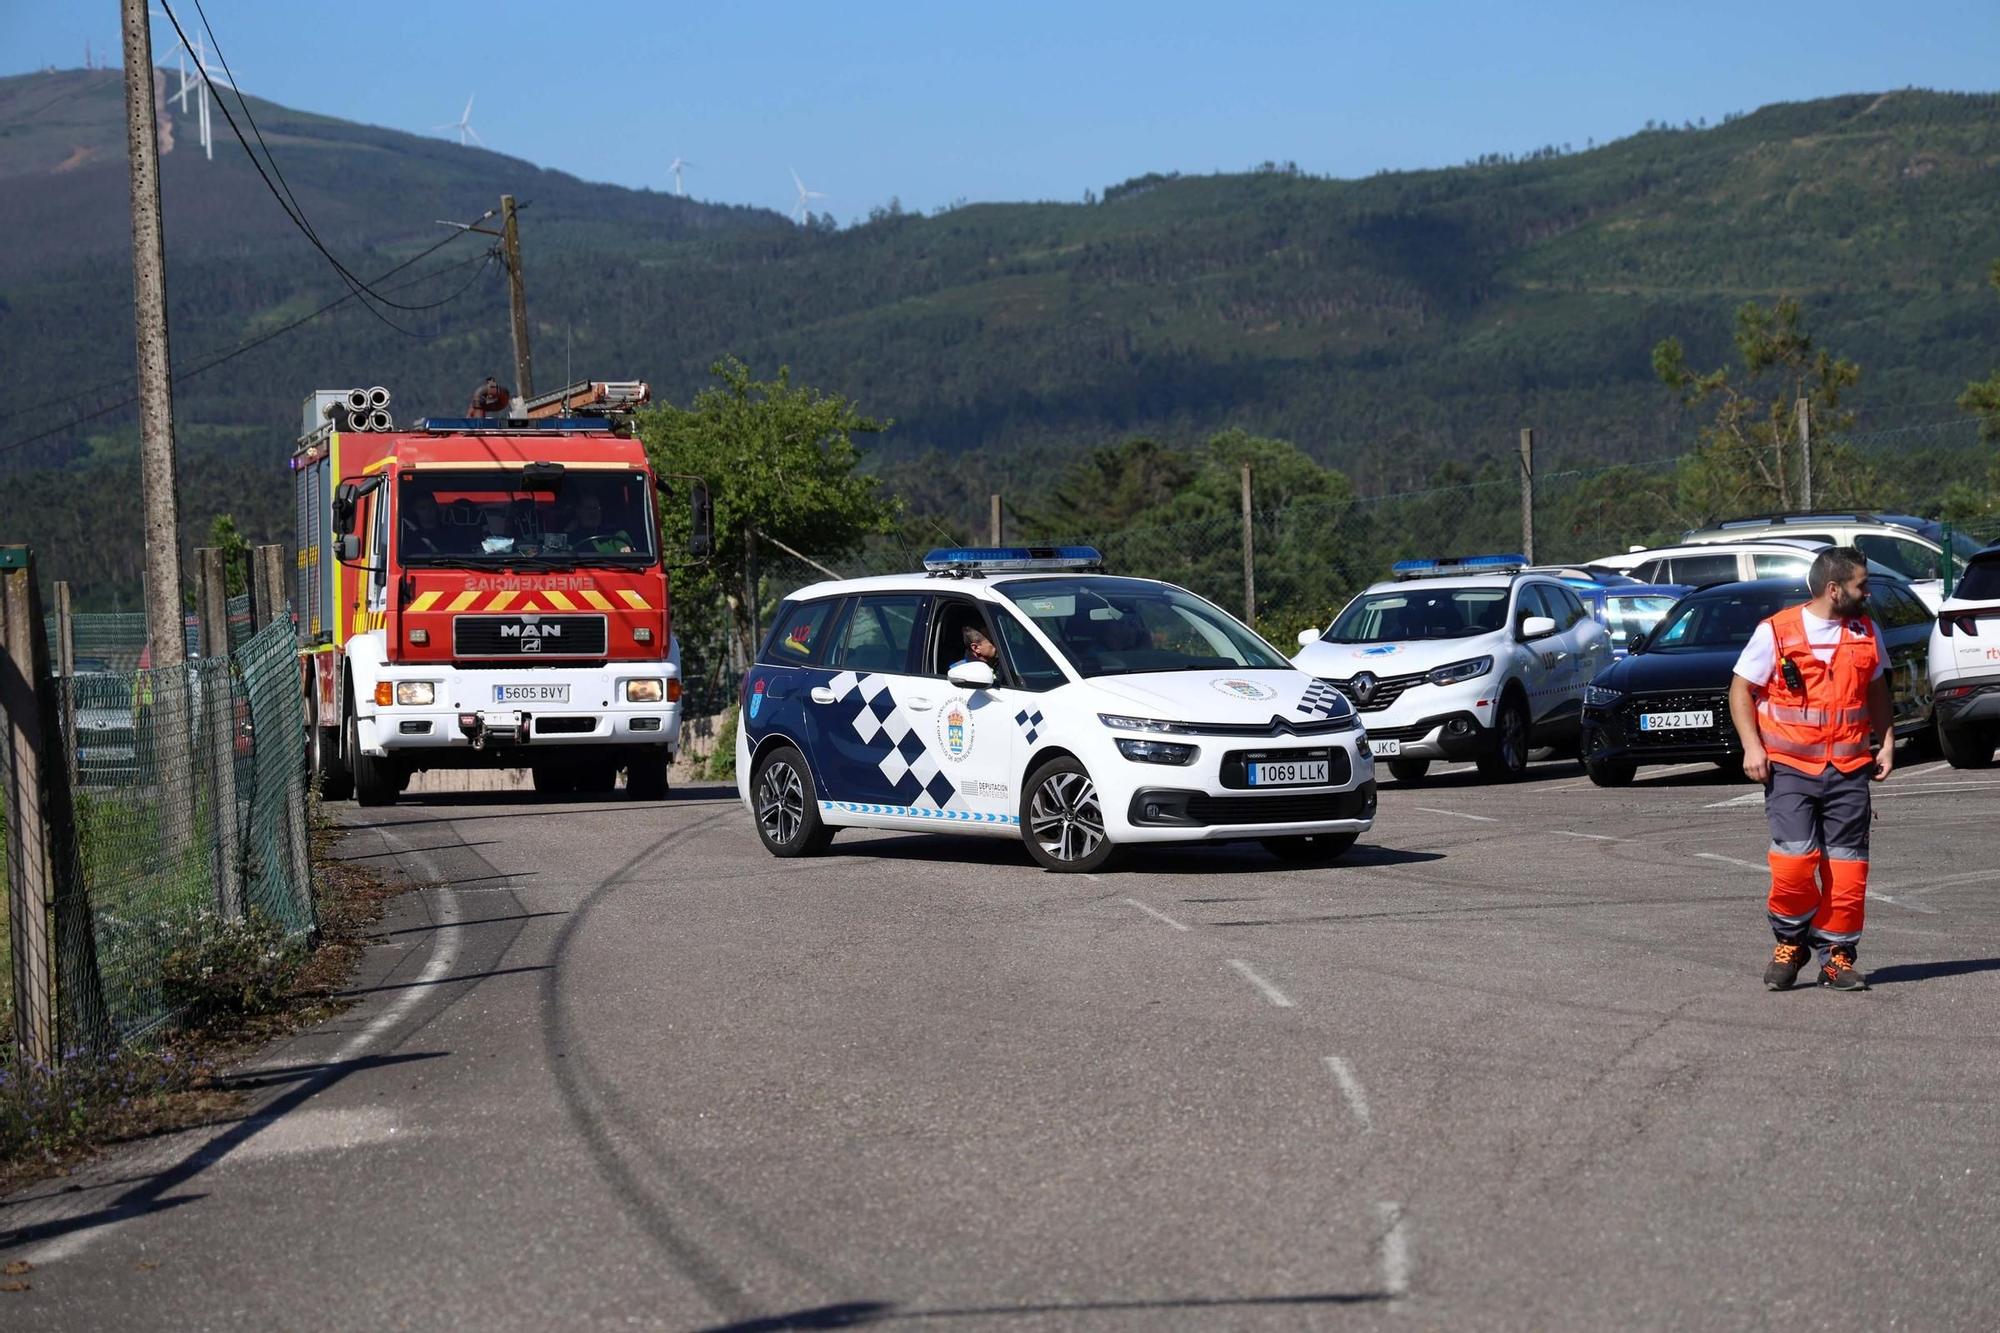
(1838, 970)
(1786, 962)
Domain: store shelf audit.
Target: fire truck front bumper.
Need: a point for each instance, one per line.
(422, 712)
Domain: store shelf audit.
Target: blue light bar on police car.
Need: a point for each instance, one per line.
(1013, 558)
(1456, 565)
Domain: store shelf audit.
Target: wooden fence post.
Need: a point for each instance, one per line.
(1249, 557)
(1528, 494)
(37, 807)
(218, 721)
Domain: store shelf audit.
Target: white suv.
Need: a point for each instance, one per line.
(1907, 545)
(1462, 659)
(1965, 665)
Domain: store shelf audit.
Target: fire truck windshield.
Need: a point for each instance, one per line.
(482, 517)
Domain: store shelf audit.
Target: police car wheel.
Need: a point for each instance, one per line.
(1509, 756)
(1062, 818)
(1311, 848)
(787, 806)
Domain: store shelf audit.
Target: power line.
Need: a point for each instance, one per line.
(484, 259)
(359, 288)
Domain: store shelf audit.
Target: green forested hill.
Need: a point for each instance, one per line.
(1385, 325)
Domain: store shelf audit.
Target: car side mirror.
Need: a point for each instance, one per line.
(1637, 644)
(1537, 627)
(701, 521)
(349, 549)
(972, 676)
(1308, 637)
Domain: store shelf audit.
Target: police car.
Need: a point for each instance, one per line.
(1462, 658)
(1118, 711)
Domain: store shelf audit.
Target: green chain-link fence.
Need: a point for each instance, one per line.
(188, 790)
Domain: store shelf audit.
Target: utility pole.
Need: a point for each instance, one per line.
(1805, 452)
(1528, 494)
(161, 529)
(517, 296)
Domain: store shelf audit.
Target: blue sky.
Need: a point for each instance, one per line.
(936, 102)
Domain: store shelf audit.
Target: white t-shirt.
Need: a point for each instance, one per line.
(1760, 655)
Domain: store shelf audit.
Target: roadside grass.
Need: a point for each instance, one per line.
(174, 1078)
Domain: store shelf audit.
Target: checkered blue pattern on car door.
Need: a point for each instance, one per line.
(864, 703)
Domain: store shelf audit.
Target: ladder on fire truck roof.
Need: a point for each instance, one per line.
(588, 398)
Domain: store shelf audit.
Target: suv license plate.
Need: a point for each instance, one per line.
(1388, 749)
(531, 694)
(1676, 721)
(1292, 773)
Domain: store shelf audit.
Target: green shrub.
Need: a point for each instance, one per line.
(722, 759)
(217, 969)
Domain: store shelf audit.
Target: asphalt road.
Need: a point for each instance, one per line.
(1508, 1066)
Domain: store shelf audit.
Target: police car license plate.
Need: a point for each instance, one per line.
(531, 694)
(1388, 749)
(1289, 773)
(1676, 721)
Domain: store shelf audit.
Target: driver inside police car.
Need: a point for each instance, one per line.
(978, 648)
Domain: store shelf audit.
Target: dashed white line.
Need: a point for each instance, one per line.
(1734, 861)
(1747, 798)
(1395, 1247)
(1594, 837)
(1350, 1088)
(1271, 993)
(1902, 902)
(1156, 915)
(1460, 814)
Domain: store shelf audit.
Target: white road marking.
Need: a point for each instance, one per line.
(1271, 993)
(1429, 810)
(1932, 884)
(1747, 798)
(444, 952)
(1731, 860)
(1901, 902)
(1350, 1088)
(1894, 788)
(1594, 837)
(1092, 878)
(1156, 915)
(1395, 1251)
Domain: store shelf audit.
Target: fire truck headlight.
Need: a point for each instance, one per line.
(643, 691)
(418, 692)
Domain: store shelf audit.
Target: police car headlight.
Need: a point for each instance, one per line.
(1597, 696)
(1157, 752)
(417, 692)
(643, 691)
(1119, 722)
(1455, 672)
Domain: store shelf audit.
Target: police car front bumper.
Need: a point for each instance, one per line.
(1210, 799)
(472, 714)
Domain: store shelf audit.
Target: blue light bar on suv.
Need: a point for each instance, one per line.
(1012, 558)
(1458, 565)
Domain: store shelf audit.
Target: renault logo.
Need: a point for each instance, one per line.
(1364, 686)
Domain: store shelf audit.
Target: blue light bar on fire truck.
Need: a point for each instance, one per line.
(1458, 566)
(1011, 559)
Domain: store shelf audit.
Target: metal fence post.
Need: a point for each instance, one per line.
(36, 799)
(65, 650)
(219, 709)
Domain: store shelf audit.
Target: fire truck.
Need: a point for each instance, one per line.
(486, 592)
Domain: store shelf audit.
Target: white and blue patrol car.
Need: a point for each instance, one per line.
(1467, 658)
(1118, 711)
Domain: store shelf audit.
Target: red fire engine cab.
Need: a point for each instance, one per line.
(485, 591)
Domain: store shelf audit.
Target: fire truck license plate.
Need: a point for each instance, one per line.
(531, 694)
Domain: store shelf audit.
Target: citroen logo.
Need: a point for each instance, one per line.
(1364, 686)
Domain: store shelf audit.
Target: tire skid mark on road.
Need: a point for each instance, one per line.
(1269, 991)
(595, 1106)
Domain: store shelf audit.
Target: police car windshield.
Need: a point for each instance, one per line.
(1703, 624)
(1416, 611)
(1119, 627)
(482, 517)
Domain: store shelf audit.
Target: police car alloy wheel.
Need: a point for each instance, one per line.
(787, 808)
(1509, 758)
(1062, 819)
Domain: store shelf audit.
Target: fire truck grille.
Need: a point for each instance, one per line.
(528, 636)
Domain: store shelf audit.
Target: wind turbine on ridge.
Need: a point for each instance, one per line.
(675, 166)
(466, 134)
(800, 210)
(199, 86)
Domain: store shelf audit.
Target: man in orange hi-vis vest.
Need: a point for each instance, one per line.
(1811, 705)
